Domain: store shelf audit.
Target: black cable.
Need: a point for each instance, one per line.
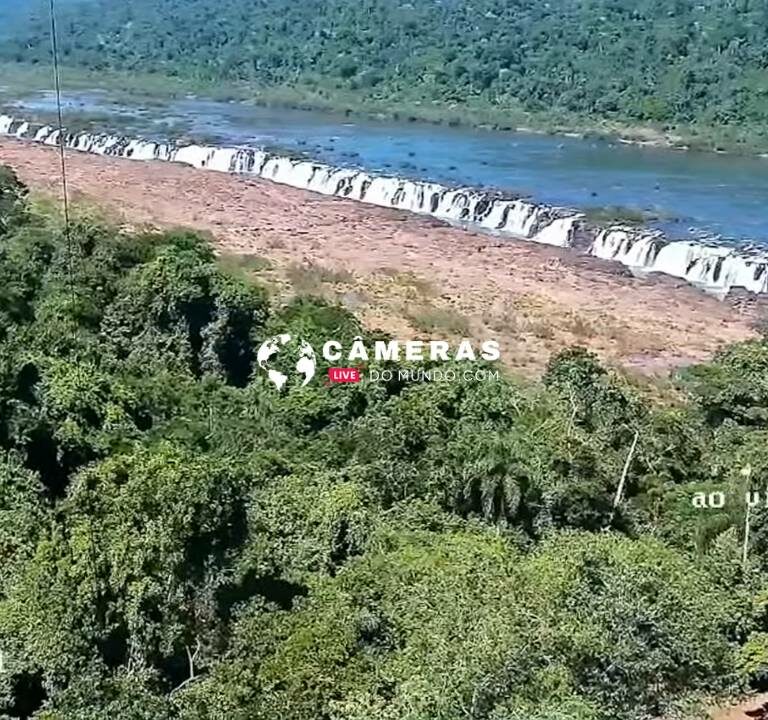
(62, 154)
(68, 237)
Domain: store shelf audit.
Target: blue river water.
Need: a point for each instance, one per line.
(691, 193)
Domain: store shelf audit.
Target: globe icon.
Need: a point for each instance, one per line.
(305, 362)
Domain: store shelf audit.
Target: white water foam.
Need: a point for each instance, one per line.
(717, 269)
(714, 268)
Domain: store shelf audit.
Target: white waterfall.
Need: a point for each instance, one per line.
(716, 269)
(488, 211)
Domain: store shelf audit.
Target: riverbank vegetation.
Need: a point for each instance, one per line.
(180, 540)
(693, 73)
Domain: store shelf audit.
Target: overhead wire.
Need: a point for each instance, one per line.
(61, 142)
(68, 238)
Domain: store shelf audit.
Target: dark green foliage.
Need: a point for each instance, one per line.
(592, 623)
(12, 195)
(661, 62)
(735, 385)
(179, 310)
(180, 540)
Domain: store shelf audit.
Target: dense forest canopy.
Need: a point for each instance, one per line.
(15, 15)
(702, 62)
(181, 540)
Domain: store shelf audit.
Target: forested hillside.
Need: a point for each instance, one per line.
(10, 18)
(180, 540)
(16, 15)
(665, 62)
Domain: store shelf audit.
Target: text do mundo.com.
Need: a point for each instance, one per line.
(353, 375)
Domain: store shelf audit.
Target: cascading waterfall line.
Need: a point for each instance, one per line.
(714, 268)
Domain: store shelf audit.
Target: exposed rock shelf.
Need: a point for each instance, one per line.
(714, 268)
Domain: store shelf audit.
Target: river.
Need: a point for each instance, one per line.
(691, 193)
